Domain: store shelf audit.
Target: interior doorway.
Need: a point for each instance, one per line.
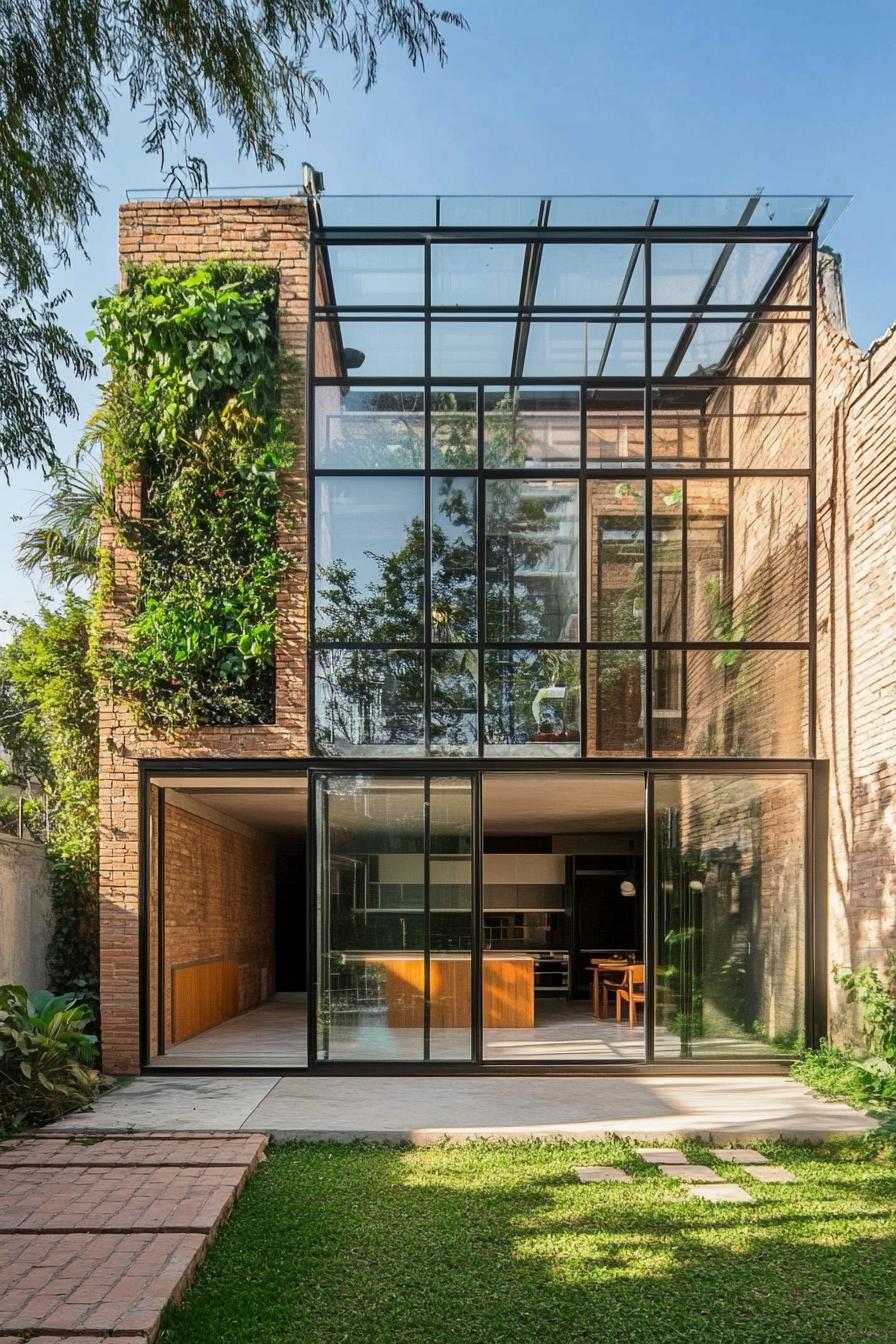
(228, 954)
(563, 915)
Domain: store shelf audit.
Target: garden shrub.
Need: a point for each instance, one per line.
(46, 1056)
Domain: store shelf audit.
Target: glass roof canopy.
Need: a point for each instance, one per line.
(556, 287)
(752, 213)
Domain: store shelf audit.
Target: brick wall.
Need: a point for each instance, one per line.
(274, 233)
(219, 899)
(856, 437)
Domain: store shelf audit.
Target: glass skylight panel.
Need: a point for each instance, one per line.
(494, 212)
(579, 274)
(472, 349)
(373, 276)
(477, 275)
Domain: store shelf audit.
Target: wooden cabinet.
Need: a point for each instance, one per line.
(508, 991)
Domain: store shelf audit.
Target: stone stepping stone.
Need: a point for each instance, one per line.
(589, 1174)
(657, 1156)
(771, 1175)
(689, 1171)
(744, 1157)
(723, 1192)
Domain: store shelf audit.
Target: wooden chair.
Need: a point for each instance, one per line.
(632, 991)
(608, 987)
(599, 986)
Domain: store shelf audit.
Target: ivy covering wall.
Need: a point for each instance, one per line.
(192, 409)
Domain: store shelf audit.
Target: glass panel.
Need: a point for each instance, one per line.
(733, 347)
(771, 559)
(667, 560)
(730, 884)
(378, 349)
(616, 702)
(472, 349)
(453, 428)
(563, 916)
(489, 212)
(368, 427)
(691, 427)
(370, 276)
(680, 272)
(616, 560)
(531, 427)
(532, 561)
(381, 946)
(477, 275)
(579, 274)
(369, 557)
(555, 349)
(454, 696)
(705, 505)
(451, 918)
(615, 427)
(731, 702)
(368, 702)
(771, 426)
(531, 702)
(454, 593)
(615, 349)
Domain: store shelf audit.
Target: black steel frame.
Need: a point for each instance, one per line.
(802, 242)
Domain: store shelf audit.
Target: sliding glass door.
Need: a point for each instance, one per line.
(395, 927)
(730, 856)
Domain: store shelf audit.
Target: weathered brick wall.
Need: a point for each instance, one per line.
(219, 900)
(274, 233)
(856, 437)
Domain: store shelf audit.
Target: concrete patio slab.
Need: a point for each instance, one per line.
(173, 1103)
(737, 1109)
(744, 1157)
(771, 1175)
(689, 1171)
(587, 1175)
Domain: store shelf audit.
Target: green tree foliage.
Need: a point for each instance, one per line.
(193, 409)
(188, 65)
(49, 729)
(63, 542)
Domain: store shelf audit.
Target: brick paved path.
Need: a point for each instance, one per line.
(97, 1235)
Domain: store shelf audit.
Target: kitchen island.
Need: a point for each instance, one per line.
(508, 987)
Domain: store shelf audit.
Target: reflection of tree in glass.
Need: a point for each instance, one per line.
(377, 429)
(453, 416)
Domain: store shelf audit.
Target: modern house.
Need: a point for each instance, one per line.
(581, 748)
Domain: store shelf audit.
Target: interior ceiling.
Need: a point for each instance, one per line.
(513, 803)
(562, 804)
(282, 811)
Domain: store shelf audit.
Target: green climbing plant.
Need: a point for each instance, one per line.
(193, 410)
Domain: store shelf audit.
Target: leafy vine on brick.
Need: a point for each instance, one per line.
(193, 410)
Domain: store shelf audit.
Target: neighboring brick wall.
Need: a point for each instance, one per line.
(219, 900)
(856, 437)
(274, 233)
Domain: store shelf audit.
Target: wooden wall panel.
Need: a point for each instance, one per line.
(203, 995)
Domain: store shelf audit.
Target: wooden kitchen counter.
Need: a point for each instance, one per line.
(508, 988)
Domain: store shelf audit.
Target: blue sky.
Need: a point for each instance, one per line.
(580, 96)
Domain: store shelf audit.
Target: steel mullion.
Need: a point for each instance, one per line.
(648, 505)
(427, 918)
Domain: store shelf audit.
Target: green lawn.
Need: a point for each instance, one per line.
(486, 1243)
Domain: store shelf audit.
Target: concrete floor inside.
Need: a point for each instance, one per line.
(274, 1036)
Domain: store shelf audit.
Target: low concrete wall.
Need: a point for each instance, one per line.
(26, 917)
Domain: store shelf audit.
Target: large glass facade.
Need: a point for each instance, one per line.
(563, 493)
(561, 461)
